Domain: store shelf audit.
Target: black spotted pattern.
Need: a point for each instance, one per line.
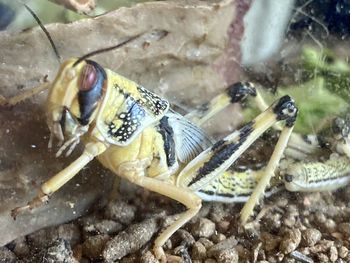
(131, 121)
(151, 101)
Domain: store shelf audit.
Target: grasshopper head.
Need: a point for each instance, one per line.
(295, 178)
(73, 101)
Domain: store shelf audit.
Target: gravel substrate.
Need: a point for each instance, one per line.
(289, 227)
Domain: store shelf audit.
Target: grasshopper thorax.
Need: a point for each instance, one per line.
(74, 99)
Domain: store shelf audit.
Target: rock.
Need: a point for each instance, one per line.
(290, 241)
(270, 241)
(93, 246)
(228, 243)
(333, 254)
(203, 228)
(59, 251)
(343, 252)
(102, 227)
(310, 237)
(227, 256)
(206, 242)
(182, 237)
(130, 240)
(198, 251)
(218, 237)
(203, 63)
(344, 228)
(120, 211)
(148, 257)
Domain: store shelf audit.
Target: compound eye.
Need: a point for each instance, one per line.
(288, 178)
(88, 78)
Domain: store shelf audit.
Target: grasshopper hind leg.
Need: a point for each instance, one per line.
(211, 163)
(235, 93)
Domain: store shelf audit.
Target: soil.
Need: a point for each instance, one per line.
(288, 227)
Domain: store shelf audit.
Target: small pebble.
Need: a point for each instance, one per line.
(289, 221)
(199, 251)
(322, 257)
(93, 246)
(272, 221)
(344, 228)
(343, 252)
(320, 217)
(310, 237)
(271, 242)
(223, 245)
(218, 237)
(290, 241)
(218, 213)
(223, 226)
(322, 247)
(203, 228)
(227, 256)
(60, 251)
(182, 237)
(109, 227)
(288, 260)
(333, 254)
(120, 211)
(330, 225)
(206, 242)
(130, 240)
(148, 257)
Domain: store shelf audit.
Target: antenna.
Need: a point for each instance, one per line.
(99, 51)
(45, 31)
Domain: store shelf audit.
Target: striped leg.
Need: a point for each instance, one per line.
(234, 186)
(299, 147)
(318, 176)
(211, 163)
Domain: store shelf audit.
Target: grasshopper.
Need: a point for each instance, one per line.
(138, 136)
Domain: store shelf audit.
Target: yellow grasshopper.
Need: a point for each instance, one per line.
(135, 133)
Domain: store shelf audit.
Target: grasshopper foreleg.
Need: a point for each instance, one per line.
(57, 181)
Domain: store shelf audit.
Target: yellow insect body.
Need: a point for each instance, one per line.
(135, 134)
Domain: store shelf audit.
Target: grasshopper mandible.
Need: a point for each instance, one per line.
(135, 133)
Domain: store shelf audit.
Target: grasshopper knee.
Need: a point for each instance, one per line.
(239, 91)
